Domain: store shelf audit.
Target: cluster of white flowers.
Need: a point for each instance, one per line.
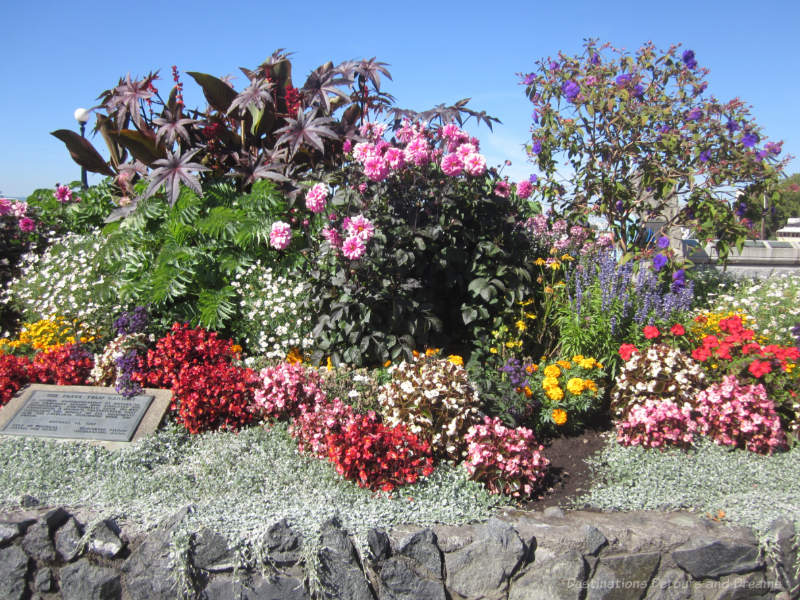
(771, 303)
(435, 400)
(65, 280)
(104, 371)
(271, 323)
(661, 373)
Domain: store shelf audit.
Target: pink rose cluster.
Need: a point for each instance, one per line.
(19, 210)
(506, 460)
(729, 413)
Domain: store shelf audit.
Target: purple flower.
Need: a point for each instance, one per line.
(694, 114)
(535, 116)
(529, 78)
(732, 126)
(689, 60)
(553, 65)
(659, 260)
(749, 140)
(570, 89)
(533, 178)
(595, 60)
(664, 128)
(741, 209)
(773, 147)
(536, 147)
(663, 242)
(637, 91)
(619, 205)
(705, 155)
(762, 154)
(624, 79)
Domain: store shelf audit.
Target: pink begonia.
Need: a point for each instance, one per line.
(375, 168)
(359, 226)
(505, 460)
(19, 209)
(5, 206)
(502, 189)
(657, 424)
(475, 164)
(332, 236)
(524, 189)
(452, 165)
(27, 224)
(63, 194)
(285, 388)
(315, 198)
(395, 159)
(417, 151)
(353, 247)
(316, 421)
(280, 235)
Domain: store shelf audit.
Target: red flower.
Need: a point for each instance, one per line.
(758, 368)
(626, 350)
(701, 354)
(651, 332)
(677, 329)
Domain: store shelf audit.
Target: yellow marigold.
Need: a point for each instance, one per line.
(587, 363)
(521, 325)
(294, 356)
(532, 368)
(549, 382)
(415, 353)
(564, 364)
(577, 358)
(539, 262)
(431, 351)
(456, 360)
(559, 416)
(236, 349)
(387, 363)
(575, 386)
(554, 393)
(552, 371)
(590, 385)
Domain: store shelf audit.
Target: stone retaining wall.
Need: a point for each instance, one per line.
(48, 553)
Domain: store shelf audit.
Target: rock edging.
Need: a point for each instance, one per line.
(555, 555)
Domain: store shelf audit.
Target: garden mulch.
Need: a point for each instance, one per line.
(570, 476)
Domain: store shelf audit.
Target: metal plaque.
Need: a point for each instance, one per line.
(79, 415)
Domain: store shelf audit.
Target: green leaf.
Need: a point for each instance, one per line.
(468, 314)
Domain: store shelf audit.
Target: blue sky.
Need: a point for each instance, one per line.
(59, 56)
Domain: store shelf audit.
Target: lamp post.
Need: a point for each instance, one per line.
(82, 116)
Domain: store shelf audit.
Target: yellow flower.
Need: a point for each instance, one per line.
(552, 371)
(531, 368)
(530, 315)
(559, 416)
(387, 363)
(431, 351)
(564, 364)
(575, 386)
(566, 257)
(236, 349)
(415, 353)
(554, 393)
(456, 360)
(539, 262)
(554, 265)
(517, 344)
(329, 364)
(527, 302)
(493, 350)
(521, 325)
(590, 385)
(549, 382)
(587, 363)
(548, 290)
(294, 356)
(577, 358)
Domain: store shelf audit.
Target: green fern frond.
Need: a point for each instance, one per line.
(215, 307)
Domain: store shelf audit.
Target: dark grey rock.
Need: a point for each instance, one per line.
(340, 574)
(752, 586)
(55, 518)
(37, 543)
(706, 558)
(211, 552)
(423, 550)
(483, 568)
(379, 545)
(28, 501)
(625, 577)
(558, 578)
(147, 572)
(783, 555)
(104, 539)
(593, 539)
(553, 512)
(403, 579)
(84, 581)
(11, 530)
(283, 544)
(672, 584)
(67, 538)
(44, 581)
(260, 588)
(13, 571)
